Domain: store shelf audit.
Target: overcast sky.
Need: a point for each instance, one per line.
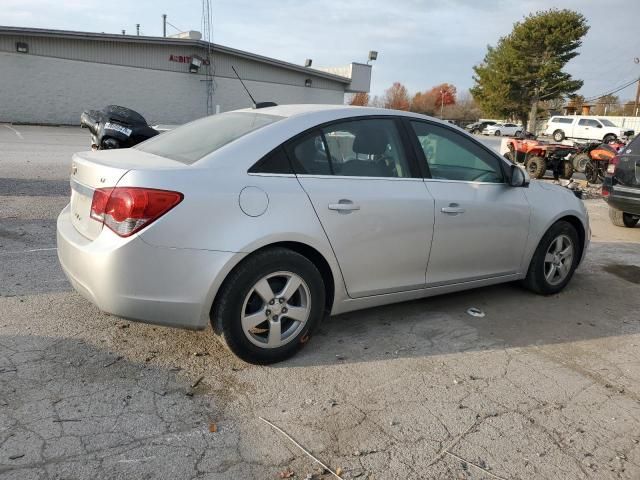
(421, 43)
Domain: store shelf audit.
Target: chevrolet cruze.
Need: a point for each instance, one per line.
(262, 221)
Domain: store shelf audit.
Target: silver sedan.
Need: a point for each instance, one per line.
(261, 222)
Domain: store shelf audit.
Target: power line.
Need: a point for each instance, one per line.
(615, 90)
(176, 28)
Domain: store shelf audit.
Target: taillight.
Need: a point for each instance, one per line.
(612, 165)
(127, 210)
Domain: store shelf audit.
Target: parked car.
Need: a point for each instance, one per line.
(478, 127)
(499, 129)
(621, 186)
(261, 221)
(588, 128)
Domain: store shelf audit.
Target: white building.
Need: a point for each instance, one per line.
(51, 76)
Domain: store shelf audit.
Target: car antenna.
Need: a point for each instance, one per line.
(255, 104)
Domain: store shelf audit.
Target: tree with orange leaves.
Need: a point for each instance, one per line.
(397, 97)
(360, 99)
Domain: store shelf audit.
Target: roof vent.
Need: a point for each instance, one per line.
(190, 35)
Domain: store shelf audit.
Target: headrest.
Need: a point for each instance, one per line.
(371, 140)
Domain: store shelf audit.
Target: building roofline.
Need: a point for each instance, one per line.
(71, 34)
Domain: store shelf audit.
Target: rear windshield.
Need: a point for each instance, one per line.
(190, 142)
(607, 123)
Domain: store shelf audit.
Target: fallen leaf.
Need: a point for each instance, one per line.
(338, 471)
(287, 473)
(213, 428)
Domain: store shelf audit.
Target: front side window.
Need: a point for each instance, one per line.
(354, 148)
(191, 142)
(452, 156)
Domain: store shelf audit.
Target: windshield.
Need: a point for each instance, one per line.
(607, 123)
(190, 142)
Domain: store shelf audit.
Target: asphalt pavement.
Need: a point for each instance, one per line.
(538, 388)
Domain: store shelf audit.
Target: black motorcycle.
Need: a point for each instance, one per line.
(116, 127)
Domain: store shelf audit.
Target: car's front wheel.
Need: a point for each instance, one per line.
(269, 306)
(558, 135)
(497, 133)
(555, 260)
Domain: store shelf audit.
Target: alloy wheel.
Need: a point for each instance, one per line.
(276, 309)
(558, 260)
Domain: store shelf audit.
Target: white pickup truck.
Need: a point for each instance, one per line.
(588, 128)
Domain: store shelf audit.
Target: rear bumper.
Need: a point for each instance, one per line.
(132, 279)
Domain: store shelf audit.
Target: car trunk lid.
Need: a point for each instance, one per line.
(103, 169)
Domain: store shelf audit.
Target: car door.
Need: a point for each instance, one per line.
(370, 198)
(481, 222)
(582, 128)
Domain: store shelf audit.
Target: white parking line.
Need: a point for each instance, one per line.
(14, 131)
(16, 252)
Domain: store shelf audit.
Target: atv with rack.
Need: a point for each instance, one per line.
(538, 156)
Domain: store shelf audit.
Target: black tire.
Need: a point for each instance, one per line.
(621, 219)
(558, 135)
(566, 170)
(497, 133)
(536, 166)
(518, 132)
(591, 172)
(227, 311)
(535, 279)
(475, 131)
(580, 162)
(609, 137)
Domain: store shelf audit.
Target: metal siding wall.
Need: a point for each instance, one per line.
(38, 89)
(156, 56)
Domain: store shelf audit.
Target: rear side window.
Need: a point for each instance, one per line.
(561, 120)
(353, 148)
(190, 142)
(274, 162)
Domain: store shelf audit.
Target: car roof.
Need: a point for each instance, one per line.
(323, 111)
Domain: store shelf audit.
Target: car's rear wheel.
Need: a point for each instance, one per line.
(609, 138)
(536, 166)
(269, 306)
(622, 219)
(555, 260)
(518, 132)
(497, 134)
(558, 135)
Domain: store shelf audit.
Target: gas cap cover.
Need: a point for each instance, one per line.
(253, 201)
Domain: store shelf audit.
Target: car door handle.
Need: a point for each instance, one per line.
(344, 206)
(452, 209)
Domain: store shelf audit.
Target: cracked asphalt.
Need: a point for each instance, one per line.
(540, 388)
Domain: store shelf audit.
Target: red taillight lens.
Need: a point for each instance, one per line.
(611, 168)
(126, 210)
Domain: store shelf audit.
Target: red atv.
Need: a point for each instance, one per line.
(538, 156)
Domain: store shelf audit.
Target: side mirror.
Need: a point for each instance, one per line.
(519, 177)
(599, 125)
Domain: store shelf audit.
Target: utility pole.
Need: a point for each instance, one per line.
(164, 24)
(635, 109)
(138, 29)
